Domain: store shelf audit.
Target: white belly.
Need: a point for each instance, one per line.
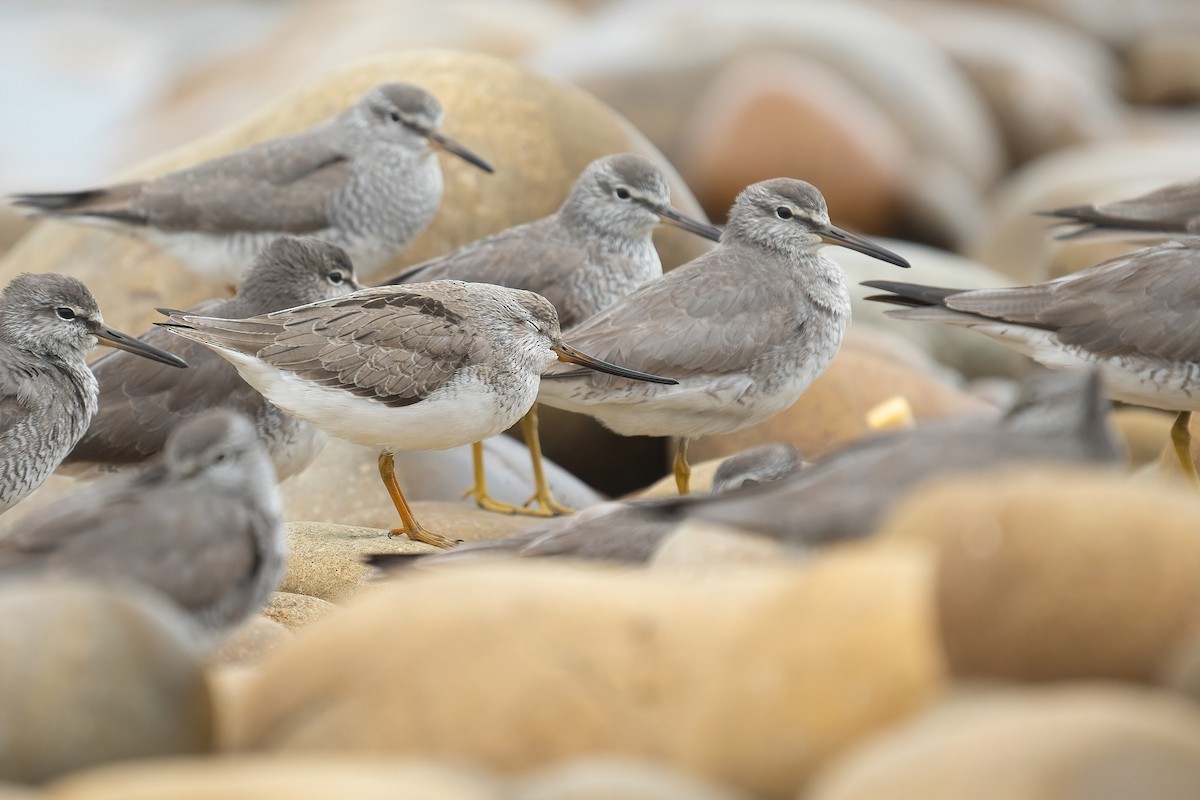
(459, 413)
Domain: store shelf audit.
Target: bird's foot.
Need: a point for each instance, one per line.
(547, 506)
(419, 534)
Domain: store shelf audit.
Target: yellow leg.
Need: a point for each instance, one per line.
(411, 528)
(683, 470)
(541, 488)
(1181, 437)
(480, 491)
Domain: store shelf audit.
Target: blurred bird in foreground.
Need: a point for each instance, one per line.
(141, 402)
(1059, 418)
(367, 180)
(48, 325)
(200, 525)
(594, 250)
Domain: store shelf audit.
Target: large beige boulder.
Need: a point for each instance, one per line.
(1052, 574)
(513, 666)
(91, 674)
(1073, 743)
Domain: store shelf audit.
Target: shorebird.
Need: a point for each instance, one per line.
(1169, 213)
(1059, 418)
(141, 402)
(366, 180)
(595, 249)
(744, 328)
(426, 366)
(48, 324)
(200, 524)
(1132, 316)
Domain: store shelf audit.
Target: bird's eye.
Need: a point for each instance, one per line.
(394, 117)
(537, 328)
(783, 212)
(220, 457)
(622, 193)
(65, 313)
(336, 278)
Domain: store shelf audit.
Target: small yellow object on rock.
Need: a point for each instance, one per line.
(895, 412)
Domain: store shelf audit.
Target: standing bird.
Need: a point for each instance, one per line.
(1168, 213)
(48, 325)
(141, 402)
(1059, 418)
(366, 180)
(1132, 316)
(744, 328)
(593, 251)
(427, 366)
(201, 525)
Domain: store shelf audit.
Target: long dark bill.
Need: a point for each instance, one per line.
(123, 341)
(573, 356)
(835, 235)
(673, 216)
(451, 146)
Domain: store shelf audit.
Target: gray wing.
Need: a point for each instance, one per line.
(141, 401)
(280, 186)
(15, 395)
(397, 347)
(1144, 303)
(190, 545)
(538, 257)
(698, 319)
(1173, 209)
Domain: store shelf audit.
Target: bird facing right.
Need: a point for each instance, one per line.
(48, 325)
(201, 525)
(141, 402)
(744, 328)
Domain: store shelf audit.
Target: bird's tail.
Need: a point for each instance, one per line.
(909, 294)
(98, 204)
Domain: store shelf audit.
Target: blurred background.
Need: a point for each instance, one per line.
(932, 120)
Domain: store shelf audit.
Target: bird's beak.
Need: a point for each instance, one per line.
(676, 218)
(450, 146)
(123, 341)
(573, 356)
(831, 234)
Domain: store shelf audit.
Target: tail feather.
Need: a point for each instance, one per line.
(112, 203)
(910, 294)
(239, 335)
(392, 561)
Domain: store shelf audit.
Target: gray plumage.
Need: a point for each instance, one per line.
(48, 324)
(1059, 418)
(591, 252)
(201, 525)
(141, 402)
(1170, 212)
(367, 180)
(757, 465)
(744, 328)
(1133, 316)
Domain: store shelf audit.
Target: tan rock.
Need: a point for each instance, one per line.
(790, 667)
(252, 641)
(325, 560)
(309, 777)
(1054, 574)
(1074, 743)
(1146, 431)
(769, 115)
(295, 611)
(12, 792)
(600, 778)
(539, 134)
(697, 547)
(833, 411)
(1017, 243)
(93, 674)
